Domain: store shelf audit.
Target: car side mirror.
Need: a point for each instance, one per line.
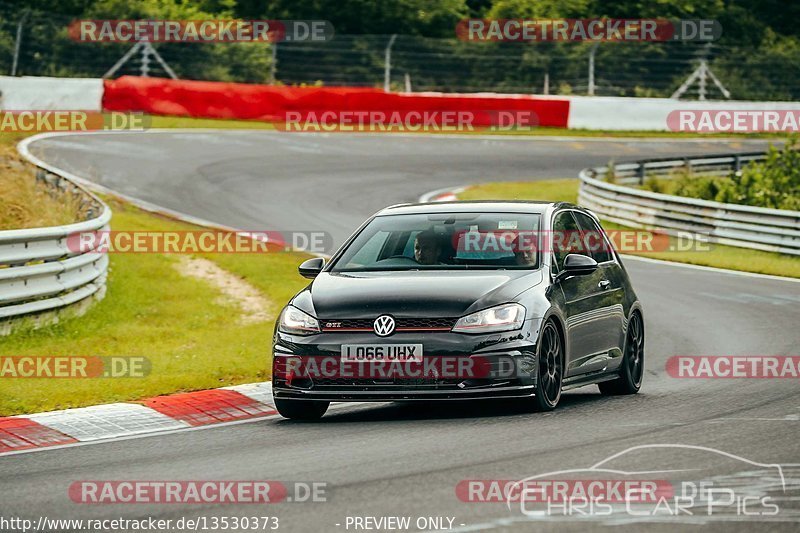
(311, 267)
(577, 265)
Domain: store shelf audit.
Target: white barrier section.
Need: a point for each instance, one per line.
(50, 94)
(621, 113)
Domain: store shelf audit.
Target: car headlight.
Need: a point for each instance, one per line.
(296, 322)
(504, 317)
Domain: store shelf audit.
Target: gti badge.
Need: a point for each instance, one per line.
(383, 326)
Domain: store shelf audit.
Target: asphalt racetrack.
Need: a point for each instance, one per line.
(407, 460)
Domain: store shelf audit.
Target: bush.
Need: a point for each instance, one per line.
(773, 183)
(703, 187)
(654, 184)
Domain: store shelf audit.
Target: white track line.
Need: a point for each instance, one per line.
(710, 269)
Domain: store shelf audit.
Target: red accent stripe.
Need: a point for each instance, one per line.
(23, 434)
(334, 330)
(209, 407)
(345, 329)
(423, 329)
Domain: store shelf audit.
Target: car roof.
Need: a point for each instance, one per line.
(478, 206)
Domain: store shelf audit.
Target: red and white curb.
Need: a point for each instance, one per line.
(450, 194)
(150, 416)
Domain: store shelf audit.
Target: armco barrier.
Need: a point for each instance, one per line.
(39, 273)
(50, 94)
(614, 113)
(271, 103)
(773, 230)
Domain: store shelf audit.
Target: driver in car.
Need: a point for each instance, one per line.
(427, 248)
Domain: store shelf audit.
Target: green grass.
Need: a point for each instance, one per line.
(157, 121)
(193, 340)
(566, 190)
(561, 190)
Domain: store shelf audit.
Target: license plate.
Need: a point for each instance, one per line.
(378, 353)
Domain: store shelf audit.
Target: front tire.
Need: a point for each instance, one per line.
(632, 371)
(301, 409)
(549, 369)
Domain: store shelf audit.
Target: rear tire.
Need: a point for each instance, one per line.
(301, 409)
(549, 369)
(632, 371)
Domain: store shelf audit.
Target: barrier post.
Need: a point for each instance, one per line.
(387, 66)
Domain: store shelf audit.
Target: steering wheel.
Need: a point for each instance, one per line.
(403, 257)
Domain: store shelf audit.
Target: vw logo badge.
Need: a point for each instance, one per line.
(383, 326)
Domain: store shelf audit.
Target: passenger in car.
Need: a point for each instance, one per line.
(427, 248)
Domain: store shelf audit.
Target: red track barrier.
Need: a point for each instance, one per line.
(271, 103)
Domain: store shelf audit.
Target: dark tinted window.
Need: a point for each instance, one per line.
(593, 238)
(444, 241)
(564, 230)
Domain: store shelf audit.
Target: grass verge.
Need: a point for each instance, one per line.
(719, 256)
(26, 203)
(191, 335)
(157, 121)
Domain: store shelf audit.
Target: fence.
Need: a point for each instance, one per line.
(773, 230)
(39, 273)
(35, 43)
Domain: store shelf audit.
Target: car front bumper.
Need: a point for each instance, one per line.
(510, 355)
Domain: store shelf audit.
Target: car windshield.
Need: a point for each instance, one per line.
(446, 241)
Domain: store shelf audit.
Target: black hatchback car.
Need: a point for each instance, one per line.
(461, 300)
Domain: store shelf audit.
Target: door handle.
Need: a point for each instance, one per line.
(604, 284)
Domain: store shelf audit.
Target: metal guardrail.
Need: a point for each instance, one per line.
(39, 271)
(774, 230)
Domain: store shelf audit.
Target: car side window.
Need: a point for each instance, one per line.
(565, 228)
(594, 238)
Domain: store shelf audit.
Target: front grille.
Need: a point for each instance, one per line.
(426, 323)
(401, 324)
